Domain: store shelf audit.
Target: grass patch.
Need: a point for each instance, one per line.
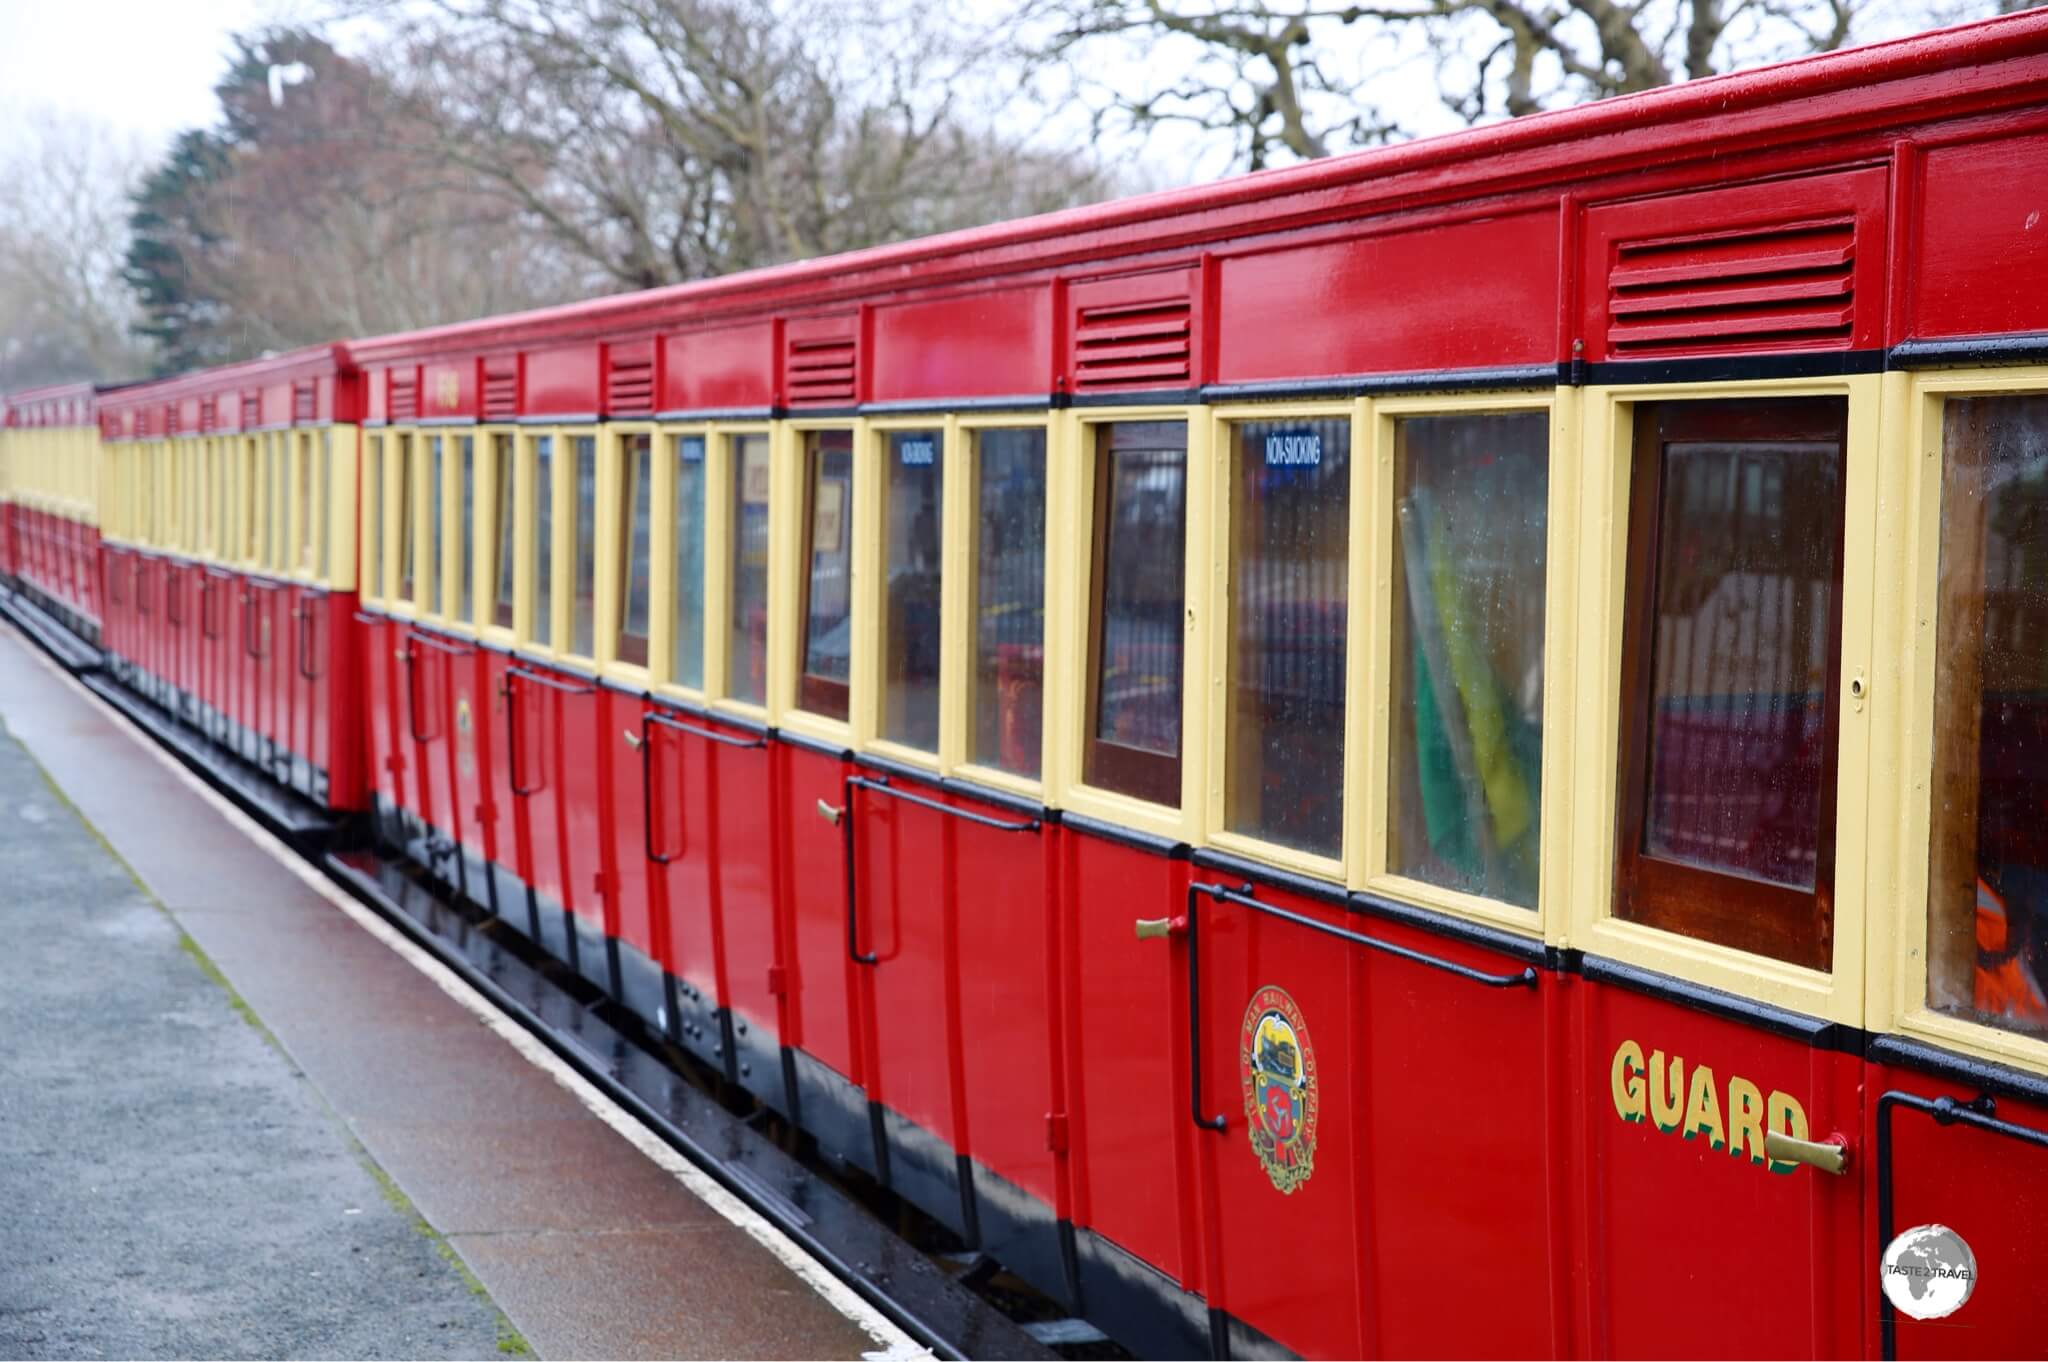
(511, 1342)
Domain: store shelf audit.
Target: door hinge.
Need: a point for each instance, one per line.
(1056, 1132)
(597, 884)
(486, 812)
(778, 980)
(394, 763)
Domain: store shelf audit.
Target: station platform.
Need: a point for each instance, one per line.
(241, 1116)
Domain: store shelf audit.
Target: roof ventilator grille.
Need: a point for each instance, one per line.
(1780, 286)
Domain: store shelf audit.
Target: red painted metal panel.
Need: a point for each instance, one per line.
(979, 344)
(275, 403)
(1989, 1187)
(1671, 1189)
(376, 395)
(1980, 265)
(826, 1022)
(495, 812)
(1006, 944)
(622, 842)
(384, 763)
(907, 870)
(563, 381)
(719, 367)
(1127, 1055)
(448, 388)
(1466, 295)
(583, 807)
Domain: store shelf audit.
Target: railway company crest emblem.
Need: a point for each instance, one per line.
(1278, 1066)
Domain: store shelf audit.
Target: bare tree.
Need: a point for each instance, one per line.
(64, 313)
(665, 140)
(1298, 79)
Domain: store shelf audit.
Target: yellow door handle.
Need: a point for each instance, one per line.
(632, 738)
(1159, 928)
(1830, 1156)
(828, 813)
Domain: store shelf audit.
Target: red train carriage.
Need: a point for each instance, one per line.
(1434, 752)
(230, 558)
(49, 533)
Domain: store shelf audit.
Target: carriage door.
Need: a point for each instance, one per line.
(1717, 1125)
(1948, 1149)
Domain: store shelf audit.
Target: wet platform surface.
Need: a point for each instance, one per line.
(315, 1150)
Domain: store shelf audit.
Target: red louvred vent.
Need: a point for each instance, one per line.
(501, 388)
(629, 379)
(252, 410)
(1783, 287)
(405, 395)
(305, 404)
(209, 413)
(171, 418)
(1142, 342)
(821, 370)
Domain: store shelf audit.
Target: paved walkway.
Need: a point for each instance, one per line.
(233, 1122)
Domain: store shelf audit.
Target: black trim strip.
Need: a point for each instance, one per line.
(1244, 868)
(1361, 385)
(429, 422)
(571, 418)
(1966, 1070)
(2021, 349)
(818, 413)
(957, 786)
(1736, 368)
(1716, 1002)
(918, 406)
(618, 687)
(688, 415)
(838, 751)
(1122, 836)
(552, 683)
(655, 716)
(1157, 397)
(1515, 947)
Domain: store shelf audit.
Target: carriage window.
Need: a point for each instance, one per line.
(746, 668)
(434, 584)
(504, 532)
(688, 660)
(1470, 520)
(323, 464)
(302, 474)
(914, 484)
(1987, 892)
(1289, 532)
(373, 517)
(1136, 632)
(636, 527)
(543, 539)
(1728, 663)
(278, 556)
(462, 600)
(407, 536)
(1009, 599)
(583, 605)
(827, 615)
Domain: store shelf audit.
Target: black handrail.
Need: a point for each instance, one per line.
(1946, 1111)
(512, 726)
(249, 633)
(648, 771)
(308, 609)
(209, 595)
(1242, 896)
(173, 616)
(566, 687)
(881, 785)
(442, 645)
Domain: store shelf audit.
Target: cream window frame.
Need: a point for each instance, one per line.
(485, 564)
(402, 483)
(1901, 701)
(872, 592)
(1372, 779)
(613, 542)
(962, 554)
(1870, 457)
(564, 614)
(663, 589)
(1216, 659)
(1072, 542)
(370, 529)
(788, 501)
(721, 483)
